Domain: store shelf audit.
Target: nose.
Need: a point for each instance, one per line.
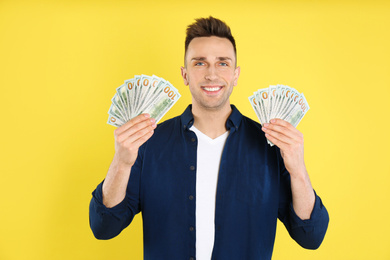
(211, 73)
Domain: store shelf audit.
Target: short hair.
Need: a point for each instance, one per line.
(206, 27)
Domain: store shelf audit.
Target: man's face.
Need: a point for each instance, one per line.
(210, 72)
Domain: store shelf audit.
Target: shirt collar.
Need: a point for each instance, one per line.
(233, 121)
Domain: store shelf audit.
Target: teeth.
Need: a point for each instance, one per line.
(212, 89)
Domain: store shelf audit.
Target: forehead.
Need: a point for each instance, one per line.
(210, 47)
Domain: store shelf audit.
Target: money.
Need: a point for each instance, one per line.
(279, 101)
(142, 94)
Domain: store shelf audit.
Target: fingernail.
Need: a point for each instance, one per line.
(272, 120)
(146, 115)
(266, 125)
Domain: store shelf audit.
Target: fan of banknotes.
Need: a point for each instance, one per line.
(279, 101)
(142, 94)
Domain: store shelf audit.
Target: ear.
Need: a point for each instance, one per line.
(236, 75)
(184, 75)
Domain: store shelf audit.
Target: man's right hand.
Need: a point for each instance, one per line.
(128, 138)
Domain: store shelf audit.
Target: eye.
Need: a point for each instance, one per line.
(224, 64)
(199, 63)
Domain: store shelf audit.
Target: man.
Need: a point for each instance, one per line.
(207, 183)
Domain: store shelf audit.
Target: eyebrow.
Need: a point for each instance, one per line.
(198, 58)
(204, 58)
(224, 58)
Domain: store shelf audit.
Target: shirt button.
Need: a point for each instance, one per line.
(193, 139)
(191, 197)
(191, 258)
(192, 167)
(191, 228)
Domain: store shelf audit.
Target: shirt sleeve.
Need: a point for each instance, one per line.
(307, 233)
(107, 223)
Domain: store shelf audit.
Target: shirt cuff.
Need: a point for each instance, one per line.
(316, 216)
(101, 208)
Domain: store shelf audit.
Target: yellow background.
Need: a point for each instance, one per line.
(61, 62)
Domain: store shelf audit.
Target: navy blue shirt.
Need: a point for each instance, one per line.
(253, 190)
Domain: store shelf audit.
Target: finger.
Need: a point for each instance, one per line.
(139, 134)
(281, 122)
(274, 127)
(142, 139)
(271, 128)
(145, 124)
(282, 145)
(286, 129)
(132, 122)
(281, 136)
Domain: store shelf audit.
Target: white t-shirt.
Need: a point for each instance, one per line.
(209, 155)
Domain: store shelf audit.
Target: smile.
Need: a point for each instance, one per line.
(212, 88)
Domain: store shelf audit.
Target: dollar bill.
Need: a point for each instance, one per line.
(279, 101)
(122, 94)
(115, 121)
(255, 106)
(118, 103)
(142, 94)
(163, 102)
(130, 87)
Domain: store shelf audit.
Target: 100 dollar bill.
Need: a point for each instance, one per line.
(142, 94)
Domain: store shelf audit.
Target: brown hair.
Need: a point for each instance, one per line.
(206, 27)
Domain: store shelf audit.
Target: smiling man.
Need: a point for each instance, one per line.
(207, 183)
(210, 72)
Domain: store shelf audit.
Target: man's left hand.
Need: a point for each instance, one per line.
(290, 141)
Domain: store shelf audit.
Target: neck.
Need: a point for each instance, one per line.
(211, 122)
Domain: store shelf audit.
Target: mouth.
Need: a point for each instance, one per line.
(211, 89)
